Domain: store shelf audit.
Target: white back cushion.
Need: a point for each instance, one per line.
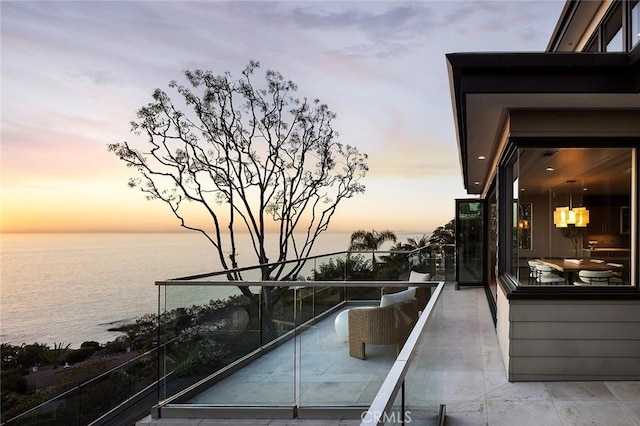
(419, 276)
(394, 298)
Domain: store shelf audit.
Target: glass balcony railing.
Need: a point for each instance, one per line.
(211, 330)
(411, 393)
(277, 346)
(81, 401)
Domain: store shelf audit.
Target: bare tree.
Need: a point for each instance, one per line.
(247, 159)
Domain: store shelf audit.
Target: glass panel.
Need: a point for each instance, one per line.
(635, 23)
(396, 417)
(578, 198)
(205, 328)
(469, 241)
(427, 378)
(616, 43)
(592, 45)
(613, 39)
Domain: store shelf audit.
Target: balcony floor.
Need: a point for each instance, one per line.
(460, 365)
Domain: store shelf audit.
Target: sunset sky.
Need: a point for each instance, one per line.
(75, 72)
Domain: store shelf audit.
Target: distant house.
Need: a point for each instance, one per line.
(548, 145)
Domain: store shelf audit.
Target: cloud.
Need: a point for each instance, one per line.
(74, 74)
(97, 77)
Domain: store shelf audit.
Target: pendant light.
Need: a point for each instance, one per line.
(565, 216)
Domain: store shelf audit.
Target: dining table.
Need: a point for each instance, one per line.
(569, 267)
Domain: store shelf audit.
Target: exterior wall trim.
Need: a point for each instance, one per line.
(514, 292)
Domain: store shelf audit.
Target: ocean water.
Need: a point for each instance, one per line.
(70, 288)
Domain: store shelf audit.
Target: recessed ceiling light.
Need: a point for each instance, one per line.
(476, 183)
(482, 157)
(549, 169)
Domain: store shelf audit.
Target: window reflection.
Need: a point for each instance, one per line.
(597, 180)
(635, 23)
(613, 40)
(615, 44)
(610, 34)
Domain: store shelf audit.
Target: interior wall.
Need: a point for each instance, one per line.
(547, 241)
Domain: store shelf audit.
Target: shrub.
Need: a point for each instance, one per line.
(80, 355)
(13, 381)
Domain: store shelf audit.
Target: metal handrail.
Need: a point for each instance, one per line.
(285, 262)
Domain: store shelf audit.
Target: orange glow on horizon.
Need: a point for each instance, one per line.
(35, 211)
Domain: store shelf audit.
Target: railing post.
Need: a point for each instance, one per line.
(297, 362)
(402, 405)
(260, 318)
(159, 356)
(313, 296)
(346, 267)
(129, 378)
(80, 405)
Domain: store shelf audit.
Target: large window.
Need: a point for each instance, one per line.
(613, 39)
(619, 31)
(571, 213)
(635, 23)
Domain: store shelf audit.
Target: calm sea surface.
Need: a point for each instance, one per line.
(71, 288)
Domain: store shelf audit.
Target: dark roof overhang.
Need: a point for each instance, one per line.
(485, 86)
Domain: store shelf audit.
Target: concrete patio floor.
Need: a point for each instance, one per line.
(328, 375)
(459, 365)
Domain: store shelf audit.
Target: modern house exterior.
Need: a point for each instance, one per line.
(548, 146)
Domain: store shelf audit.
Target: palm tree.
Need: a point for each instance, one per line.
(365, 240)
(56, 355)
(415, 258)
(416, 244)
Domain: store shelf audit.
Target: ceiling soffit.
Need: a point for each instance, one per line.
(485, 87)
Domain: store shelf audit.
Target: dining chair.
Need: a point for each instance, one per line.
(546, 275)
(617, 274)
(593, 278)
(533, 272)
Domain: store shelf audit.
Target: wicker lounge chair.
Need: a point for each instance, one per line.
(381, 326)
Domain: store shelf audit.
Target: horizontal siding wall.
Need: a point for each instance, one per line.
(574, 340)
